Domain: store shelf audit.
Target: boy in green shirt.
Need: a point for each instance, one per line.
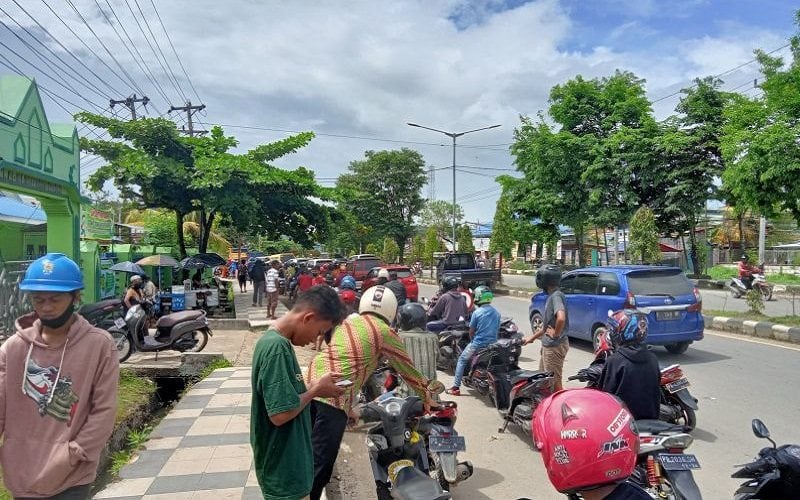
(280, 422)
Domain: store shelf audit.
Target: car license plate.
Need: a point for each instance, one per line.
(668, 315)
(447, 443)
(678, 461)
(678, 385)
(119, 323)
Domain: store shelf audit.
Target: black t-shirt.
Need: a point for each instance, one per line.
(628, 491)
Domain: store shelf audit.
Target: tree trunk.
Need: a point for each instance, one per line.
(685, 251)
(579, 241)
(605, 242)
(181, 239)
(693, 252)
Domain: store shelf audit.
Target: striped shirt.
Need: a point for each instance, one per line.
(356, 348)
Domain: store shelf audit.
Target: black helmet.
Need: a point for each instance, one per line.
(411, 315)
(745, 258)
(449, 283)
(548, 275)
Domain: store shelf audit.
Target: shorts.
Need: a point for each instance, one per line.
(552, 359)
(272, 298)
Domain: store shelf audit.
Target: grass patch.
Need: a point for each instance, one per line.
(781, 320)
(214, 365)
(133, 392)
(134, 443)
(726, 273)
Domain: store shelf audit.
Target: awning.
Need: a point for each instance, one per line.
(667, 249)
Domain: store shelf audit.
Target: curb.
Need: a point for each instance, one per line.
(761, 329)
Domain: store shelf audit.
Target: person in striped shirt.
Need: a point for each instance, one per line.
(355, 349)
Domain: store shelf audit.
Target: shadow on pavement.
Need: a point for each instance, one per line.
(703, 435)
(693, 356)
(481, 478)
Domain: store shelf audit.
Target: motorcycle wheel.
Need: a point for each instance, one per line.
(735, 293)
(123, 343)
(766, 292)
(201, 338)
(442, 481)
(689, 416)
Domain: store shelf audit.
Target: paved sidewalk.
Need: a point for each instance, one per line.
(201, 449)
(256, 316)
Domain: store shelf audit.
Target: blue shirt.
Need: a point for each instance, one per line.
(486, 322)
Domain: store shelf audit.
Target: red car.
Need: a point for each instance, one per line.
(404, 274)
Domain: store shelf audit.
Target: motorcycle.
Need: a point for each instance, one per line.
(181, 331)
(454, 338)
(677, 405)
(662, 467)
(105, 314)
(417, 269)
(738, 289)
(398, 453)
(775, 474)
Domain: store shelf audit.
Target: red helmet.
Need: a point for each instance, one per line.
(587, 438)
(348, 297)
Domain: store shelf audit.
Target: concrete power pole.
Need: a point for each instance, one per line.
(190, 111)
(762, 236)
(130, 103)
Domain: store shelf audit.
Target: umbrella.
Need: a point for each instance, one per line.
(127, 267)
(192, 263)
(158, 261)
(211, 259)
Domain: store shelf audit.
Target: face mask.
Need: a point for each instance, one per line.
(60, 321)
(136, 286)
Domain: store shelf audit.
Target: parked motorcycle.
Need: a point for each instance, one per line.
(662, 467)
(397, 451)
(104, 314)
(774, 475)
(181, 331)
(760, 283)
(677, 406)
(454, 338)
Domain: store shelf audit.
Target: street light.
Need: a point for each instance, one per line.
(453, 135)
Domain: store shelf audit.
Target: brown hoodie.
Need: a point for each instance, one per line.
(57, 407)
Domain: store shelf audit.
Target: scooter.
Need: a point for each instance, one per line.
(662, 467)
(397, 452)
(454, 338)
(185, 331)
(738, 289)
(774, 475)
(105, 314)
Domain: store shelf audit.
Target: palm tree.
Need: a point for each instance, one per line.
(191, 227)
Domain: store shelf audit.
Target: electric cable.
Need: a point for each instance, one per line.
(169, 39)
(158, 46)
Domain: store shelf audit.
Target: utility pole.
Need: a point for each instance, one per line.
(190, 111)
(130, 103)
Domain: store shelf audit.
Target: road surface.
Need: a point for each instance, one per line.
(735, 379)
(719, 300)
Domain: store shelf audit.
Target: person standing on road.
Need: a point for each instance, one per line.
(241, 275)
(355, 349)
(55, 428)
(555, 324)
(258, 276)
(280, 418)
(272, 283)
(483, 327)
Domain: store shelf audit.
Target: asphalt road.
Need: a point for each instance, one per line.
(735, 379)
(720, 300)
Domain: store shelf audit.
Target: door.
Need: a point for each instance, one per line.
(608, 296)
(583, 301)
(568, 287)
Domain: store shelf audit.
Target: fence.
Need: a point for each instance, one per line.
(12, 301)
(772, 257)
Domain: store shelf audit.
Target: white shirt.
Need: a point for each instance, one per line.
(272, 280)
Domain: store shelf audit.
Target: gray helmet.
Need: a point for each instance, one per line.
(548, 275)
(412, 315)
(449, 283)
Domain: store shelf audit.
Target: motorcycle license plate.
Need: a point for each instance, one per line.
(678, 385)
(678, 461)
(447, 443)
(668, 315)
(119, 323)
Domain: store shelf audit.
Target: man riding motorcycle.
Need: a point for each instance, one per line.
(746, 271)
(450, 309)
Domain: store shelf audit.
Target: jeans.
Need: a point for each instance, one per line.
(328, 424)
(466, 357)
(258, 292)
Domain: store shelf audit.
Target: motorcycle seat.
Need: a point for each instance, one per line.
(103, 305)
(413, 484)
(658, 427)
(173, 319)
(520, 375)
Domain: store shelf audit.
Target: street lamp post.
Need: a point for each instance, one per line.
(453, 135)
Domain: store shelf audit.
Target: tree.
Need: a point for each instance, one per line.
(150, 163)
(383, 192)
(464, 239)
(644, 236)
(759, 141)
(439, 215)
(390, 251)
(432, 245)
(502, 240)
(417, 249)
(160, 230)
(372, 248)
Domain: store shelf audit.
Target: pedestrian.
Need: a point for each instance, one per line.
(55, 429)
(555, 324)
(280, 419)
(258, 277)
(232, 266)
(242, 275)
(304, 280)
(354, 351)
(273, 278)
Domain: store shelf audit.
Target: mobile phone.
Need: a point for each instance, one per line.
(344, 383)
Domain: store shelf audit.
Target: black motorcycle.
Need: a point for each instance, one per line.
(454, 338)
(774, 475)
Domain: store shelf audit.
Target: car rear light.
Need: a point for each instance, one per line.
(630, 301)
(698, 304)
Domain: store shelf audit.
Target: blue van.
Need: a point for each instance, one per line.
(675, 319)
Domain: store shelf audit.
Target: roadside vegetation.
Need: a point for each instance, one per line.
(781, 320)
(728, 272)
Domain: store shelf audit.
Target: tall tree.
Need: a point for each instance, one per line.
(383, 192)
(464, 239)
(390, 251)
(439, 215)
(643, 241)
(432, 245)
(502, 240)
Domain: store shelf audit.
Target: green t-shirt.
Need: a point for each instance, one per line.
(284, 460)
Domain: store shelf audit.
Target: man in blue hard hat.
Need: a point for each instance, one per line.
(58, 388)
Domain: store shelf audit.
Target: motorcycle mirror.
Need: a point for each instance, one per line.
(761, 431)
(435, 387)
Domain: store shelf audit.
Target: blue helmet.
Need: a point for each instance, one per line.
(55, 272)
(348, 283)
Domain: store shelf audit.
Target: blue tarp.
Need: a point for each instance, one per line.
(15, 211)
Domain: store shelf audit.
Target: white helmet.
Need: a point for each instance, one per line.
(384, 273)
(136, 278)
(379, 300)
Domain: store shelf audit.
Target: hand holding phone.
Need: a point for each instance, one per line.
(344, 383)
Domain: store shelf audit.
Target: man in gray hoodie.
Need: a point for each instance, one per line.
(58, 389)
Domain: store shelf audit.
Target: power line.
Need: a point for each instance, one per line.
(507, 169)
(169, 39)
(158, 46)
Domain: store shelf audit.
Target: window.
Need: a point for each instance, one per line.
(29, 252)
(659, 282)
(568, 284)
(402, 273)
(372, 272)
(608, 284)
(586, 284)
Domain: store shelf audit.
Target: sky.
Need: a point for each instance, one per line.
(357, 72)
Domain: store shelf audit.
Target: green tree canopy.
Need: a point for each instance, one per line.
(390, 251)
(502, 240)
(643, 242)
(464, 239)
(439, 215)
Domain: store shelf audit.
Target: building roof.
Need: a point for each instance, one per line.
(12, 210)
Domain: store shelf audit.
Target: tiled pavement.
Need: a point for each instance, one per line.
(201, 449)
(256, 316)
